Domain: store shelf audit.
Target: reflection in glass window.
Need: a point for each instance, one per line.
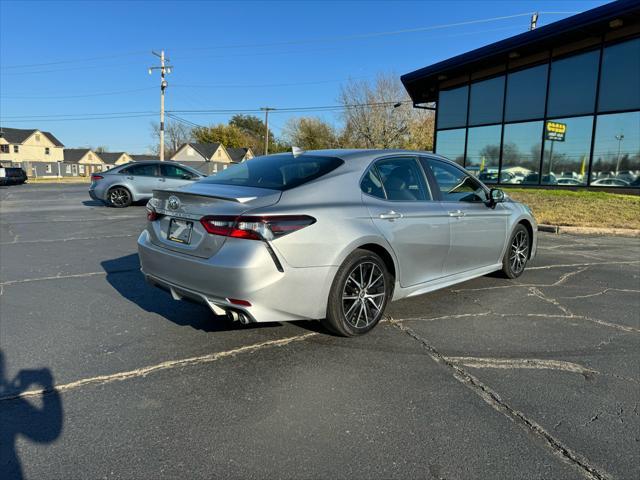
(616, 154)
(526, 91)
(402, 179)
(620, 77)
(453, 183)
(452, 107)
(521, 150)
(450, 144)
(486, 101)
(572, 88)
(567, 162)
(483, 152)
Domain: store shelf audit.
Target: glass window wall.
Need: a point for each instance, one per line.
(521, 152)
(483, 152)
(526, 92)
(450, 144)
(486, 101)
(616, 153)
(452, 107)
(572, 87)
(566, 162)
(620, 77)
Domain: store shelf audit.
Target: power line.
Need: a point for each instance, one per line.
(83, 95)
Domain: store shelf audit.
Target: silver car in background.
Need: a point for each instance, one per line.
(332, 235)
(132, 182)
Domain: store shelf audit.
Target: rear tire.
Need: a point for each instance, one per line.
(359, 294)
(119, 197)
(517, 254)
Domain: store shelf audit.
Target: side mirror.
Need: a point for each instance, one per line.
(495, 196)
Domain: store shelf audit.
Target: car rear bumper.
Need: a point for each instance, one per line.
(242, 270)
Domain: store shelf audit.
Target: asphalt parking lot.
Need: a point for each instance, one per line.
(102, 376)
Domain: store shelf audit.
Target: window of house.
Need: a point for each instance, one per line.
(81, 168)
(486, 101)
(37, 137)
(452, 107)
(521, 151)
(4, 148)
(526, 91)
(572, 87)
(67, 168)
(47, 151)
(16, 149)
(620, 77)
(48, 168)
(567, 161)
(450, 144)
(483, 152)
(616, 152)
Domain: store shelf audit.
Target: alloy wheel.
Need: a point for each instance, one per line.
(363, 295)
(519, 252)
(119, 197)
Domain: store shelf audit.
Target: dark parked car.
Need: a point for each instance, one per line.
(12, 176)
(533, 178)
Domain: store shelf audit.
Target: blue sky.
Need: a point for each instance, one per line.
(67, 58)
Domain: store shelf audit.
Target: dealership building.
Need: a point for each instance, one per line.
(557, 106)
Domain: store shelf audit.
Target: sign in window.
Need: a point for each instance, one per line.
(555, 131)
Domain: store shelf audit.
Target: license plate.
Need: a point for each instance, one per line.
(180, 230)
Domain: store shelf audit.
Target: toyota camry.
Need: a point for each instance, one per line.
(331, 235)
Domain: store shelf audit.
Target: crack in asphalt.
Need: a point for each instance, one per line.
(522, 363)
(492, 398)
(144, 371)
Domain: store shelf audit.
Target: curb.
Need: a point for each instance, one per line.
(614, 232)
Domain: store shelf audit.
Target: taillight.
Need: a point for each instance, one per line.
(152, 215)
(255, 227)
(95, 177)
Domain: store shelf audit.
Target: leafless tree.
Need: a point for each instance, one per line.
(175, 135)
(372, 116)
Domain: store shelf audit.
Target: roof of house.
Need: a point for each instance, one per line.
(74, 155)
(237, 154)
(205, 149)
(422, 84)
(19, 135)
(111, 157)
(143, 156)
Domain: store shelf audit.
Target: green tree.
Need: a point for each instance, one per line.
(254, 129)
(310, 133)
(228, 135)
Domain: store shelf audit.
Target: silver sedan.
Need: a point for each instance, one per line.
(332, 235)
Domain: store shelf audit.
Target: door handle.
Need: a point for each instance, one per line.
(162, 179)
(390, 215)
(457, 214)
(129, 178)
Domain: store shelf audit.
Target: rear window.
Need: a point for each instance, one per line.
(276, 172)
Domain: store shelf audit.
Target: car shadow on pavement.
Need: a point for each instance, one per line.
(93, 203)
(124, 275)
(20, 417)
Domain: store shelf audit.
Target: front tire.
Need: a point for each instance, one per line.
(359, 294)
(517, 254)
(119, 197)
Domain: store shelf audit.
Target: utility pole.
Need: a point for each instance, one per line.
(164, 69)
(534, 21)
(266, 123)
(619, 138)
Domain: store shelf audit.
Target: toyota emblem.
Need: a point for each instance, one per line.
(173, 203)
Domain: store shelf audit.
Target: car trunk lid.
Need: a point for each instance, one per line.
(178, 227)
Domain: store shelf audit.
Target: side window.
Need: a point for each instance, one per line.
(371, 183)
(402, 179)
(148, 170)
(172, 171)
(454, 184)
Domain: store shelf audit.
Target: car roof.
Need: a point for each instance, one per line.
(356, 155)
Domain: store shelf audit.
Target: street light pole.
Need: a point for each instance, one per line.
(619, 137)
(163, 86)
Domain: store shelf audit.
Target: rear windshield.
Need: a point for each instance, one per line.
(277, 172)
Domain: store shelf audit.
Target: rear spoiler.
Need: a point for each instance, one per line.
(208, 195)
